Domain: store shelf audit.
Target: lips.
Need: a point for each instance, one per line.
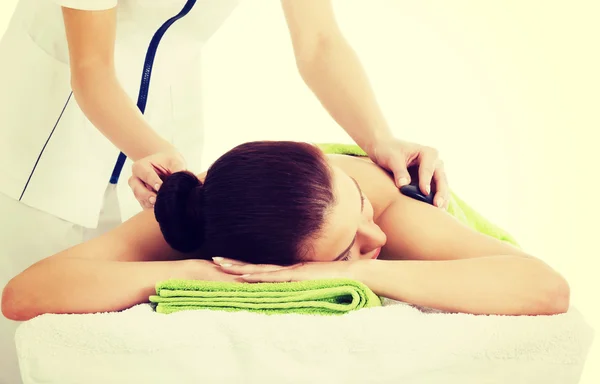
(376, 254)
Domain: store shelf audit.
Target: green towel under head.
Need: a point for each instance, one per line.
(317, 297)
(456, 207)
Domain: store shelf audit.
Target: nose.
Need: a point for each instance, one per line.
(370, 238)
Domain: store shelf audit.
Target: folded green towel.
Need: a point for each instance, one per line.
(456, 207)
(318, 297)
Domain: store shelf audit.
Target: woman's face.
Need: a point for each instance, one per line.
(349, 232)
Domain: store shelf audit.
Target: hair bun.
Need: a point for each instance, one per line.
(178, 210)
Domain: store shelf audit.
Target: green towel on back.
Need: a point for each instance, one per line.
(317, 297)
(456, 207)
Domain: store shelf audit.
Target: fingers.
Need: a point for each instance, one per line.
(427, 164)
(244, 269)
(401, 175)
(142, 193)
(442, 194)
(147, 174)
(239, 267)
(281, 276)
(255, 273)
(397, 164)
(223, 260)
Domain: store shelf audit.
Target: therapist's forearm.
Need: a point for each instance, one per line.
(335, 75)
(503, 285)
(105, 103)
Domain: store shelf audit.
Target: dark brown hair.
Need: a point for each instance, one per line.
(259, 203)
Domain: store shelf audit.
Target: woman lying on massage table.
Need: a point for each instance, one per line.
(284, 211)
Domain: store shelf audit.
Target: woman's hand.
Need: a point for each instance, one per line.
(193, 269)
(147, 172)
(268, 273)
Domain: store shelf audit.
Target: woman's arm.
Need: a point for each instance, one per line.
(104, 274)
(502, 285)
(112, 272)
(78, 285)
(499, 285)
(494, 285)
(450, 266)
(91, 41)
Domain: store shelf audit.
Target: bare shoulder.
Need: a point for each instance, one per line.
(416, 230)
(137, 239)
(376, 183)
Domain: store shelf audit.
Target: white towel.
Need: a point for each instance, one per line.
(394, 343)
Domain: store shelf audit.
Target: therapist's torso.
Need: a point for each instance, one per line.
(51, 157)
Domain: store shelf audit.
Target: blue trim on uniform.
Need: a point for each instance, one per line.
(146, 73)
(45, 145)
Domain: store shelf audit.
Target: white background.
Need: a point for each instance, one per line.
(508, 92)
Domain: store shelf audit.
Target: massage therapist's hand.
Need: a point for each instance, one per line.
(146, 175)
(397, 155)
(267, 273)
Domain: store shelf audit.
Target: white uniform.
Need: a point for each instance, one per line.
(54, 164)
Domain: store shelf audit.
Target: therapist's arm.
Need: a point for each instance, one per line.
(331, 69)
(91, 40)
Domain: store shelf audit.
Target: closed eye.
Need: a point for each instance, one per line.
(345, 256)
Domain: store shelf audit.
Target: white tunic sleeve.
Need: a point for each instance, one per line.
(52, 158)
(87, 5)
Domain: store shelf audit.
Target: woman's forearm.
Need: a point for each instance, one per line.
(74, 285)
(336, 76)
(109, 108)
(503, 285)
